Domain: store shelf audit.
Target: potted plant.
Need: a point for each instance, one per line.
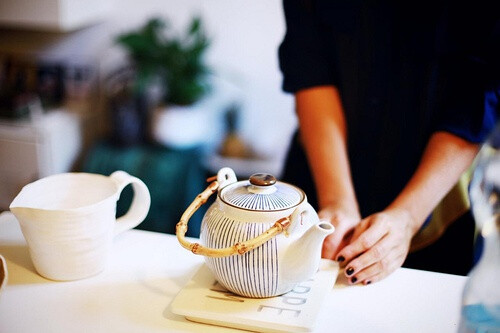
(177, 62)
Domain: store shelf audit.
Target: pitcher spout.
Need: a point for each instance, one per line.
(22, 210)
(302, 258)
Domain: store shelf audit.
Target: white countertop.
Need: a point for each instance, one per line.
(147, 270)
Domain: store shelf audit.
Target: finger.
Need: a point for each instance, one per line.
(345, 241)
(360, 228)
(364, 242)
(336, 242)
(377, 271)
(332, 243)
(376, 253)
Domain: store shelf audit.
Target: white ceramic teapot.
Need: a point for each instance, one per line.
(261, 237)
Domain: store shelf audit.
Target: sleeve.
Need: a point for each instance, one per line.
(469, 64)
(304, 58)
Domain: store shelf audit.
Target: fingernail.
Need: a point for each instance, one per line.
(368, 282)
(349, 271)
(340, 259)
(354, 279)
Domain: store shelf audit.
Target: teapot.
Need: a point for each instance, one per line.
(260, 237)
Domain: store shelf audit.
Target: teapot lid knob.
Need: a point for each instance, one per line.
(262, 192)
(262, 179)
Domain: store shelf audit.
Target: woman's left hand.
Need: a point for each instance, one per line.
(379, 246)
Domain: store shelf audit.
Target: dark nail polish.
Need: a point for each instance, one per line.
(349, 271)
(354, 279)
(340, 259)
(368, 282)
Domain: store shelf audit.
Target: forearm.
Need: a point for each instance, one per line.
(445, 158)
(323, 132)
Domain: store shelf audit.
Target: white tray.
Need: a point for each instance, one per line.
(206, 301)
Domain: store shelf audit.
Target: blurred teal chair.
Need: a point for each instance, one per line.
(174, 178)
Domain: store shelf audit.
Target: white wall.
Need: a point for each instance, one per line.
(245, 37)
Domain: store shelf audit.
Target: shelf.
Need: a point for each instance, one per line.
(30, 150)
(243, 167)
(52, 15)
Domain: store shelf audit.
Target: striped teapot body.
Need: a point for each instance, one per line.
(256, 273)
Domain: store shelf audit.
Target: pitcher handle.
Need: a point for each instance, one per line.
(140, 203)
(238, 248)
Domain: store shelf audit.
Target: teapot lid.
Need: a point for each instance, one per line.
(262, 193)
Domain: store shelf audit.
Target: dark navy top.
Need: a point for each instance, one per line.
(404, 70)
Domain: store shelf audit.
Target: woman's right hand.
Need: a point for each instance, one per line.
(344, 220)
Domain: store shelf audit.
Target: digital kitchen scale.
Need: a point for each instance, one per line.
(204, 300)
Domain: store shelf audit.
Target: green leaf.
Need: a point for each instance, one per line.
(195, 26)
(179, 60)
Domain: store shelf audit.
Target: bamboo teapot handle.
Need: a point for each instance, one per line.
(238, 248)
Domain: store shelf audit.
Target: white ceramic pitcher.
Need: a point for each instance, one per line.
(68, 220)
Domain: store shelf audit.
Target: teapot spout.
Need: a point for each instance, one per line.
(303, 256)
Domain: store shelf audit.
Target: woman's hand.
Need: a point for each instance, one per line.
(344, 221)
(379, 245)
(381, 241)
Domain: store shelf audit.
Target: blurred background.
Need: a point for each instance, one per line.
(169, 91)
